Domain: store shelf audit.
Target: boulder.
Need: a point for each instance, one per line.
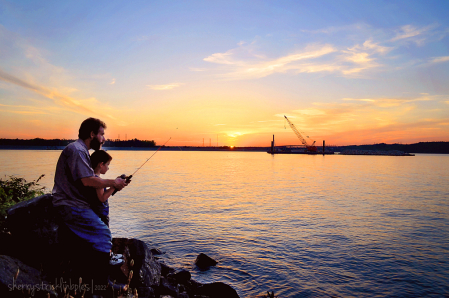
(138, 259)
(34, 228)
(217, 290)
(203, 262)
(182, 276)
(17, 278)
(36, 240)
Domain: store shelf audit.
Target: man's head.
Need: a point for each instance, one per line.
(92, 130)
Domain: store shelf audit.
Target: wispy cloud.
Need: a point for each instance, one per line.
(360, 114)
(335, 29)
(419, 35)
(112, 82)
(197, 69)
(344, 57)
(69, 103)
(26, 112)
(165, 87)
(391, 102)
(27, 67)
(245, 64)
(439, 59)
(25, 109)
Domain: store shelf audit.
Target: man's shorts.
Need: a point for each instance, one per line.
(88, 226)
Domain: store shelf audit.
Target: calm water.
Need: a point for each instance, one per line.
(301, 226)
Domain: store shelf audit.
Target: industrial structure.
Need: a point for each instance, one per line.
(305, 148)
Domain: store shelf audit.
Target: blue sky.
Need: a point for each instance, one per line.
(345, 71)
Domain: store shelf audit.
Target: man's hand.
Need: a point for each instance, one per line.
(119, 183)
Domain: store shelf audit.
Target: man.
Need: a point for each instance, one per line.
(74, 181)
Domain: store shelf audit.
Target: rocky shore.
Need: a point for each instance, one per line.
(33, 263)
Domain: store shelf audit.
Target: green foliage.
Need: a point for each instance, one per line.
(15, 190)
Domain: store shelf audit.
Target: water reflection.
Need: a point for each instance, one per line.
(298, 225)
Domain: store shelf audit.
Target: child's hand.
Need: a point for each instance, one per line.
(119, 183)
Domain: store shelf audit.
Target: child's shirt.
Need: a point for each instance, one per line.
(100, 208)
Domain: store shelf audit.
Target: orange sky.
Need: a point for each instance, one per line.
(226, 73)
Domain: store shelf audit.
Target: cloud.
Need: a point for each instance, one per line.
(336, 29)
(112, 82)
(58, 98)
(419, 35)
(246, 64)
(439, 59)
(197, 69)
(26, 66)
(361, 113)
(391, 102)
(221, 58)
(344, 57)
(24, 109)
(165, 87)
(26, 112)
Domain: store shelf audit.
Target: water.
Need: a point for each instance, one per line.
(298, 225)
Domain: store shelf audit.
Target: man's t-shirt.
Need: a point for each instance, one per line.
(73, 164)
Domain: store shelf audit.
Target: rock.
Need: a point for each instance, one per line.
(165, 270)
(146, 270)
(182, 276)
(34, 229)
(204, 262)
(156, 252)
(36, 240)
(217, 290)
(168, 287)
(17, 278)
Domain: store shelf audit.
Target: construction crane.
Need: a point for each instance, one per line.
(311, 148)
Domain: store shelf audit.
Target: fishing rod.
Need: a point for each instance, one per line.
(128, 178)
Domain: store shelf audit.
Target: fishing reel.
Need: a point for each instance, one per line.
(127, 179)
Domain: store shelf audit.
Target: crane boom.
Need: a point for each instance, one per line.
(300, 137)
(303, 141)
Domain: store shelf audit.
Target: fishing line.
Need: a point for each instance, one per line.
(149, 158)
(128, 179)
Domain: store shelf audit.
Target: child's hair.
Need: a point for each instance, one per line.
(98, 157)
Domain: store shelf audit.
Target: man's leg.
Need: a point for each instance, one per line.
(91, 261)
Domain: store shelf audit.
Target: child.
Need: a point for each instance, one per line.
(100, 161)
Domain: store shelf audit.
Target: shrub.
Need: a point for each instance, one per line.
(15, 190)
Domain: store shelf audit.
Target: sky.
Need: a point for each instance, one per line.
(226, 72)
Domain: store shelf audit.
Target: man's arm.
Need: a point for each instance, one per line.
(97, 182)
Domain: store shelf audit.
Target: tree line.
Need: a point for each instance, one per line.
(65, 142)
(421, 147)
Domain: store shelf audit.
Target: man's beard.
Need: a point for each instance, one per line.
(95, 144)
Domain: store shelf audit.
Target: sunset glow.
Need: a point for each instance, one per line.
(225, 73)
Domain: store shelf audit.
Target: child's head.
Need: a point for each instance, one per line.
(100, 160)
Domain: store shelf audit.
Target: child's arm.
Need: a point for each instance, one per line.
(104, 195)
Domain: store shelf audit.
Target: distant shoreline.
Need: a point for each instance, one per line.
(138, 145)
(166, 148)
(190, 149)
